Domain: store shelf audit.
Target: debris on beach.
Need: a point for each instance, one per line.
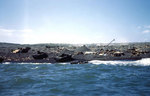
(74, 54)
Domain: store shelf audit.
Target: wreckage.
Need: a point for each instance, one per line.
(74, 54)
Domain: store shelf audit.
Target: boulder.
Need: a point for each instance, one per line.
(21, 50)
(40, 55)
(1, 59)
(64, 58)
(25, 50)
(79, 62)
(82, 49)
(118, 54)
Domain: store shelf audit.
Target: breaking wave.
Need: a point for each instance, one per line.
(25, 63)
(142, 62)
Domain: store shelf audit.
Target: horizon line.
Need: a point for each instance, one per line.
(74, 43)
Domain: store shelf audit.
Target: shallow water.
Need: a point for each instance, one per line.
(98, 78)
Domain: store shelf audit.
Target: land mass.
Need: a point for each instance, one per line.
(76, 54)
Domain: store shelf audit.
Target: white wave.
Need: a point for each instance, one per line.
(25, 63)
(145, 62)
(6, 63)
(142, 62)
(35, 67)
(63, 63)
(34, 63)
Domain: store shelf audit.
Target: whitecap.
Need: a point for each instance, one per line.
(63, 63)
(35, 67)
(6, 63)
(142, 62)
(24, 63)
(34, 63)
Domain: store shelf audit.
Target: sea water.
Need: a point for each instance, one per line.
(97, 78)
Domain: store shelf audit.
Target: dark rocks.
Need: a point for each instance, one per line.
(79, 62)
(47, 46)
(25, 50)
(64, 58)
(75, 54)
(21, 50)
(40, 55)
(38, 52)
(80, 53)
(51, 46)
(118, 54)
(1, 59)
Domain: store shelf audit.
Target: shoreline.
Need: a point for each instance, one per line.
(141, 62)
(59, 53)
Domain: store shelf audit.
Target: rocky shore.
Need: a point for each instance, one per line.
(75, 54)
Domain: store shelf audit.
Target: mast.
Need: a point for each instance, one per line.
(110, 42)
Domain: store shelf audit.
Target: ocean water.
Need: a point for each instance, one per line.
(98, 78)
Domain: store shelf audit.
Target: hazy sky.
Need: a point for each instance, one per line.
(74, 21)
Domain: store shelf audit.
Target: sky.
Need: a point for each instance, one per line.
(74, 21)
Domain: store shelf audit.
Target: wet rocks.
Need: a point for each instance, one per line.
(77, 54)
(118, 54)
(1, 59)
(64, 58)
(40, 55)
(25, 50)
(79, 62)
(21, 50)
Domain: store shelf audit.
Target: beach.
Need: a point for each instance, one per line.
(76, 54)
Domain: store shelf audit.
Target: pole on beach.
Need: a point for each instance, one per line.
(108, 45)
(110, 42)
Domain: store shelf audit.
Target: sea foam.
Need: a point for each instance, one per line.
(142, 62)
